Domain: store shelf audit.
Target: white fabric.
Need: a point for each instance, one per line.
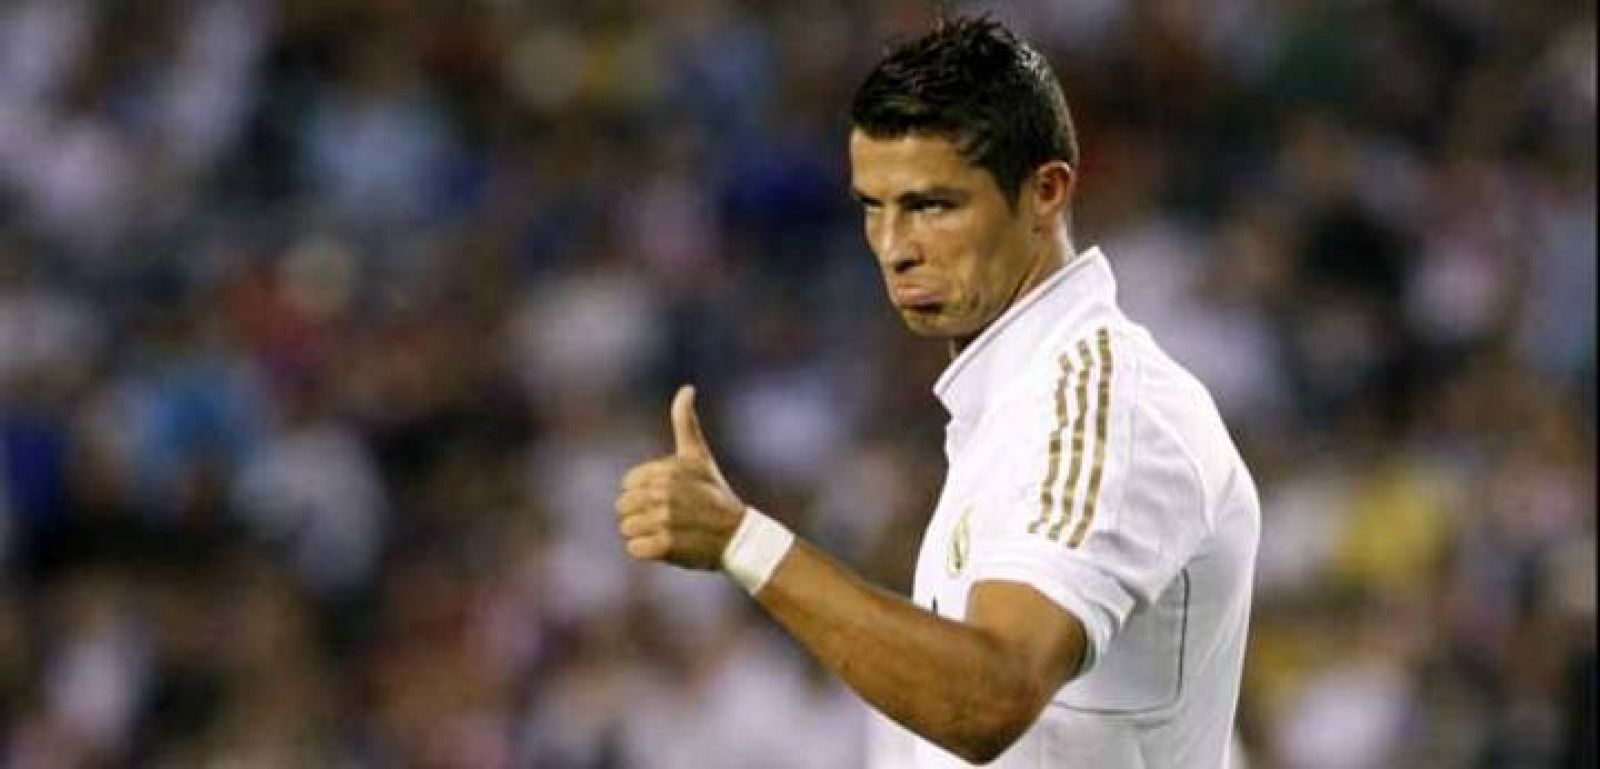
(1154, 515)
(755, 550)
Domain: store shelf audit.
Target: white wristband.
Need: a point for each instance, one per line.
(756, 549)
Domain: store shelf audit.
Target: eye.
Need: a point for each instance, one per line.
(932, 206)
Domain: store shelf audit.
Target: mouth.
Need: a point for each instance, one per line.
(916, 299)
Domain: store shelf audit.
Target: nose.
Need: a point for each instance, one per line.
(898, 251)
(901, 260)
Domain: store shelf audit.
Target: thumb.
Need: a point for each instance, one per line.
(689, 440)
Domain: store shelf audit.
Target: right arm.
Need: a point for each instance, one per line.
(972, 687)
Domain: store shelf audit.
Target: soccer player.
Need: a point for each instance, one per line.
(1083, 589)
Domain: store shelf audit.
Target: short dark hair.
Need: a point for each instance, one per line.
(975, 82)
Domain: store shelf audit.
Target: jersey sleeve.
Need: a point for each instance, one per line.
(1103, 504)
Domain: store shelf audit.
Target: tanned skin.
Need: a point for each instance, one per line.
(955, 253)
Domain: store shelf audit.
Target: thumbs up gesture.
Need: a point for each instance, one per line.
(679, 508)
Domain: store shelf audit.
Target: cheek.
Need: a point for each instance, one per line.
(962, 254)
(984, 266)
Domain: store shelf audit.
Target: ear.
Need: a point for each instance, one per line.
(1051, 192)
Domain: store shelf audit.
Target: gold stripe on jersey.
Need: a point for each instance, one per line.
(1047, 490)
(1101, 417)
(1076, 468)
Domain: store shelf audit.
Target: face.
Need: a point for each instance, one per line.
(953, 253)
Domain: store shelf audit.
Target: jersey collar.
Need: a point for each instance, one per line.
(1002, 350)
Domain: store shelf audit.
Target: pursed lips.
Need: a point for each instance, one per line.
(914, 296)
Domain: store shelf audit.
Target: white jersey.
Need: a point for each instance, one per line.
(1089, 465)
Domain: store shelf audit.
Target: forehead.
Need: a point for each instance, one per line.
(914, 161)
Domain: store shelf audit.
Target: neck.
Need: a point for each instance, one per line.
(1054, 253)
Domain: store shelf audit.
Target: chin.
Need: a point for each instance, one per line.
(934, 326)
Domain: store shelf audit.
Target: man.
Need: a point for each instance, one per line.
(1083, 588)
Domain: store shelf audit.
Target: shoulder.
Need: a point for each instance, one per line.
(1110, 387)
(1097, 366)
(1176, 408)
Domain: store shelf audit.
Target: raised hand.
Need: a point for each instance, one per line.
(679, 508)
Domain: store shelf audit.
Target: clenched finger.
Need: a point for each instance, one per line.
(650, 547)
(635, 526)
(648, 472)
(639, 499)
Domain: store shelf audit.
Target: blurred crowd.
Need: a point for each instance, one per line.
(328, 327)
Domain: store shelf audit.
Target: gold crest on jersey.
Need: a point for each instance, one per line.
(960, 544)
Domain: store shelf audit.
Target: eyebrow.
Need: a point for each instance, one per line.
(910, 198)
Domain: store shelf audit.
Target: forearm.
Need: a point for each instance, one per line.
(972, 687)
(950, 682)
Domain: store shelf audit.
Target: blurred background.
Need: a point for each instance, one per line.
(328, 327)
